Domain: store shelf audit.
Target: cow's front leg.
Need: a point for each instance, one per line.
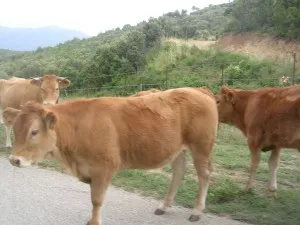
(100, 180)
(1, 117)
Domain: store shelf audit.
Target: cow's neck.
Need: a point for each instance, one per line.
(64, 143)
(240, 107)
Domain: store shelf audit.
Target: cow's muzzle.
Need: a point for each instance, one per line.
(14, 161)
(19, 161)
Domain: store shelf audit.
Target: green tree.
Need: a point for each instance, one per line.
(4, 75)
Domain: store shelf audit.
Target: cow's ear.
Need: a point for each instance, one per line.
(63, 82)
(9, 115)
(228, 94)
(36, 81)
(50, 119)
(217, 98)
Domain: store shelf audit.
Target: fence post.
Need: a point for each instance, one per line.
(87, 87)
(167, 77)
(222, 74)
(125, 83)
(294, 67)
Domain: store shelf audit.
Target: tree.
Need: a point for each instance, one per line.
(279, 17)
(3, 75)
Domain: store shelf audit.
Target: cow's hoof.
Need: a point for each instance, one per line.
(86, 180)
(92, 223)
(194, 218)
(272, 194)
(159, 212)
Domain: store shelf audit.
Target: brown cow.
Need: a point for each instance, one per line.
(16, 91)
(97, 137)
(268, 118)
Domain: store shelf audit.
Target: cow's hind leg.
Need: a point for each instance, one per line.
(203, 165)
(178, 169)
(273, 165)
(100, 180)
(255, 159)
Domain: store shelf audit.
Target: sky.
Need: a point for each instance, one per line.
(89, 16)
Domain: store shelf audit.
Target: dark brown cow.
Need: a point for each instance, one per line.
(268, 117)
(97, 137)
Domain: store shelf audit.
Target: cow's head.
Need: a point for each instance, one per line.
(49, 86)
(35, 137)
(225, 101)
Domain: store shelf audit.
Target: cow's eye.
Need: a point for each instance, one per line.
(56, 89)
(34, 132)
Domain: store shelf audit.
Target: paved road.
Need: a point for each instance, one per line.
(33, 196)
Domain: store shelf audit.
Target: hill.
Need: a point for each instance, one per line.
(117, 57)
(128, 45)
(28, 39)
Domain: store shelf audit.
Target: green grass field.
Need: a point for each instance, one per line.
(226, 195)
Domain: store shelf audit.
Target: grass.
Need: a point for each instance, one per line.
(226, 196)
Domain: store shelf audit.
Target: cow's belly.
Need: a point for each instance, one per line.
(151, 156)
(285, 136)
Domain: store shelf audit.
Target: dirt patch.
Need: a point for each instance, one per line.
(198, 43)
(260, 46)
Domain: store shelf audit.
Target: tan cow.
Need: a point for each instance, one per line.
(97, 137)
(268, 117)
(16, 91)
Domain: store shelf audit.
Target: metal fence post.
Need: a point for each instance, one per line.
(222, 74)
(167, 77)
(294, 68)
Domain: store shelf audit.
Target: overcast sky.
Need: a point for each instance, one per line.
(89, 16)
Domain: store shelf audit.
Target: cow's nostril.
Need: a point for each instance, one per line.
(17, 162)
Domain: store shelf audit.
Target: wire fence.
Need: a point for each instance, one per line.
(89, 88)
(196, 75)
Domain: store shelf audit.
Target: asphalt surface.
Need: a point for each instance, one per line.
(34, 196)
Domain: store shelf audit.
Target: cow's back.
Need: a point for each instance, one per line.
(17, 91)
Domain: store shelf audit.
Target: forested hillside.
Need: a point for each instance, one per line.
(112, 57)
(280, 18)
(120, 50)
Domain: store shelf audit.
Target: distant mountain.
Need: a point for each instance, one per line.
(5, 53)
(28, 39)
